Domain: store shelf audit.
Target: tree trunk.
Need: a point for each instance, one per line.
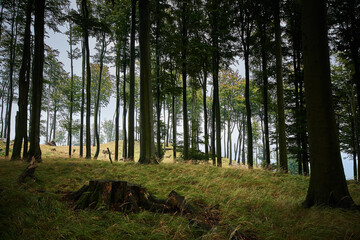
(21, 123)
(13, 40)
(146, 103)
(132, 82)
(206, 135)
(184, 75)
(124, 152)
(327, 181)
(37, 82)
(117, 109)
(85, 14)
(71, 88)
(280, 89)
(102, 54)
(82, 98)
(265, 94)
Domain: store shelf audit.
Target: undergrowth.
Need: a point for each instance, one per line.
(253, 204)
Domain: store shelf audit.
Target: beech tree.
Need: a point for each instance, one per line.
(327, 180)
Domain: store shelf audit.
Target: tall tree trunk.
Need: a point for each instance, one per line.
(174, 113)
(327, 181)
(157, 69)
(184, 76)
(132, 82)
(303, 136)
(243, 145)
(37, 81)
(213, 129)
(96, 116)
(82, 97)
(21, 118)
(117, 109)
(215, 62)
(85, 14)
(13, 40)
(124, 152)
(71, 88)
(206, 134)
(280, 89)
(146, 102)
(265, 94)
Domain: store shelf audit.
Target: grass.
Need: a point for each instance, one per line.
(255, 204)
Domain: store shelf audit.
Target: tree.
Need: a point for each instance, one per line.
(327, 181)
(21, 122)
(280, 89)
(85, 14)
(146, 106)
(37, 82)
(132, 82)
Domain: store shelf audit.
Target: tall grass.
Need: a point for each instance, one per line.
(253, 204)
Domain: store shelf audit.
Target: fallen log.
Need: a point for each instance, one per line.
(126, 197)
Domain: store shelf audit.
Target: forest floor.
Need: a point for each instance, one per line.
(239, 204)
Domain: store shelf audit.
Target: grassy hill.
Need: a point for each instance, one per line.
(253, 204)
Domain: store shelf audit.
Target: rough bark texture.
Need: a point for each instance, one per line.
(146, 102)
(280, 89)
(132, 82)
(21, 118)
(125, 197)
(37, 81)
(327, 181)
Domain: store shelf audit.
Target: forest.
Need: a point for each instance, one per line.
(169, 119)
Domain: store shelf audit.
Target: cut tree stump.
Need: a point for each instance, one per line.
(28, 172)
(125, 197)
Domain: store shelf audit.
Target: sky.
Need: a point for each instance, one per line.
(59, 41)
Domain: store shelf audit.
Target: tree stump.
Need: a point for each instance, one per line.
(124, 196)
(28, 172)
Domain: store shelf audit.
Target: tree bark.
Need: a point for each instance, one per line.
(124, 152)
(132, 82)
(146, 102)
(82, 98)
(327, 181)
(206, 134)
(37, 82)
(71, 88)
(117, 109)
(280, 89)
(88, 79)
(184, 75)
(21, 118)
(102, 54)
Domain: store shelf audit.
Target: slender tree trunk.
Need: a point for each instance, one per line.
(71, 89)
(303, 137)
(157, 69)
(132, 81)
(102, 54)
(167, 127)
(82, 98)
(13, 40)
(184, 75)
(146, 103)
(243, 144)
(37, 81)
(213, 128)
(280, 89)
(206, 134)
(88, 80)
(124, 152)
(21, 118)
(265, 95)
(327, 181)
(117, 110)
